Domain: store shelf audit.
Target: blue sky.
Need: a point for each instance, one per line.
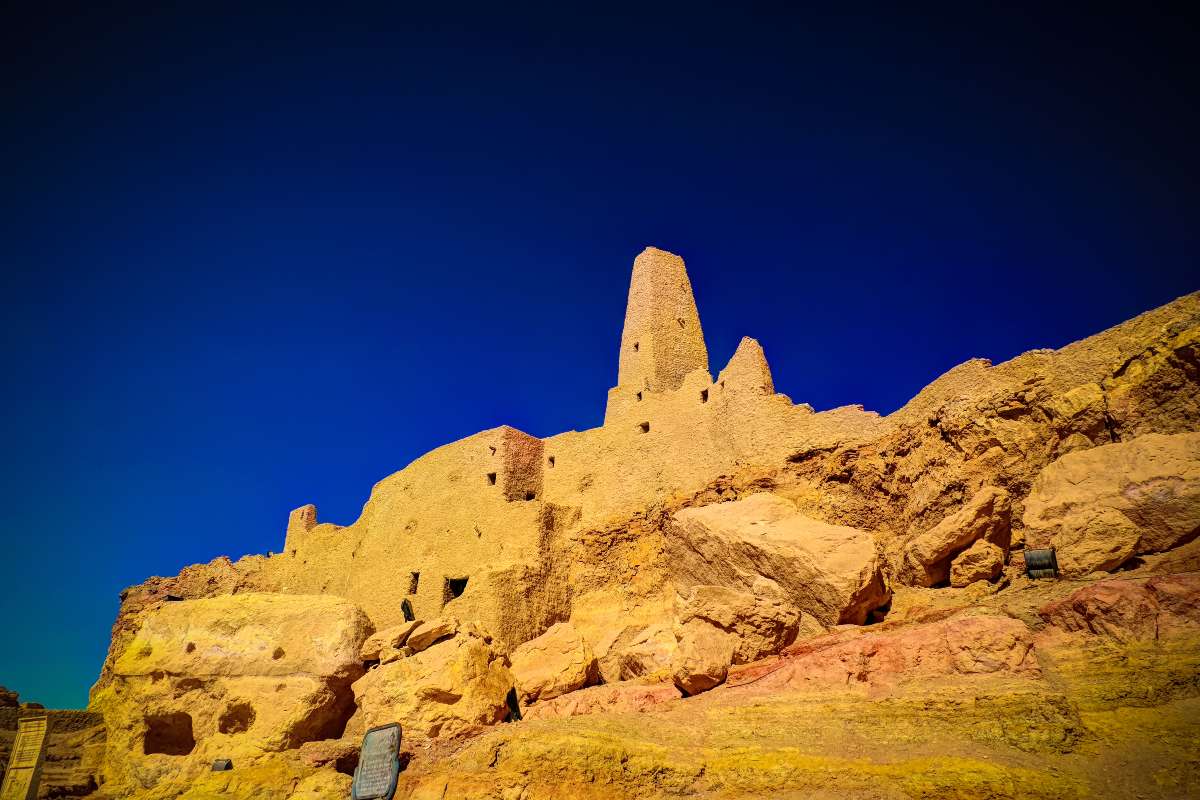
(254, 260)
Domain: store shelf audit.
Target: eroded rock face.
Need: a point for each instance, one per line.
(964, 646)
(928, 557)
(1100, 507)
(446, 689)
(982, 561)
(1128, 610)
(228, 677)
(829, 571)
(617, 698)
(557, 662)
(385, 645)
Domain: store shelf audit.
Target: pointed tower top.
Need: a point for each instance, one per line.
(662, 341)
(748, 369)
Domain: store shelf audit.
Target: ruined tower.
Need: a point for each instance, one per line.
(662, 341)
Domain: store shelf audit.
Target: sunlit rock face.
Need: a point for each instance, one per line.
(718, 592)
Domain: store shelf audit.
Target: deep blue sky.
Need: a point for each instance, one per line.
(254, 261)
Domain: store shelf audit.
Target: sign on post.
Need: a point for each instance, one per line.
(378, 764)
(25, 763)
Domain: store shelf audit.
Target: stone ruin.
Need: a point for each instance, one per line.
(711, 533)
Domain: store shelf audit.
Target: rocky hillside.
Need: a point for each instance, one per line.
(718, 593)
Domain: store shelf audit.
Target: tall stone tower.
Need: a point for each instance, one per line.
(661, 342)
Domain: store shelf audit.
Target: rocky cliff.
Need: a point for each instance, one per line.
(718, 593)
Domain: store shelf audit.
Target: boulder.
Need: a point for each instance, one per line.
(426, 633)
(761, 623)
(982, 561)
(445, 689)
(631, 636)
(1101, 507)
(234, 676)
(557, 662)
(928, 556)
(830, 571)
(703, 657)
(386, 643)
(8, 698)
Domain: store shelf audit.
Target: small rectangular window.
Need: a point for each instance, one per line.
(704, 395)
(491, 479)
(550, 461)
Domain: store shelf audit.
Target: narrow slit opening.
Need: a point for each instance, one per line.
(491, 476)
(453, 588)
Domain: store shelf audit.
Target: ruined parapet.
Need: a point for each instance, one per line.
(747, 372)
(662, 342)
(300, 521)
(516, 461)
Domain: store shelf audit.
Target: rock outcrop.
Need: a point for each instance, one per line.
(1101, 507)
(829, 571)
(557, 662)
(444, 690)
(228, 677)
(928, 558)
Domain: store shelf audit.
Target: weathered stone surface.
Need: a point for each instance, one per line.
(228, 677)
(426, 633)
(631, 637)
(8, 698)
(982, 561)
(617, 698)
(928, 556)
(557, 662)
(387, 642)
(829, 571)
(759, 622)
(1129, 610)
(1102, 506)
(703, 658)
(979, 645)
(444, 690)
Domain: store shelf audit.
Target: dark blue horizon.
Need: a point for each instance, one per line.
(256, 260)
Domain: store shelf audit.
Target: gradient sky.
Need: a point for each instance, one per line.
(255, 261)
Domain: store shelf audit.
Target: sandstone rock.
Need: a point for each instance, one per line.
(426, 633)
(928, 556)
(645, 654)
(444, 690)
(1126, 611)
(630, 636)
(1100, 507)
(8, 699)
(829, 571)
(620, 698)
(960, 646)
(557, 662)
(703, 658)
(387, 641)
(230, 677)
(982, 561)
(760, 622)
